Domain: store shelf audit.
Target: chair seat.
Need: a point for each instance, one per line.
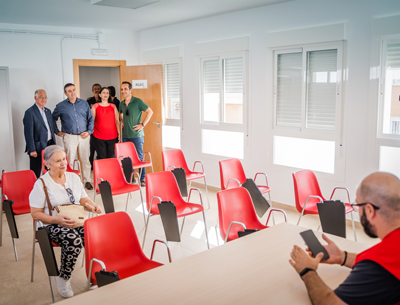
(264, 189)
(141, 164)
(312, 209)
(233, 234)
(20, 210)
(183, 208)
(194, 175)
(122, 189)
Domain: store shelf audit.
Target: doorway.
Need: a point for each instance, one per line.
(105, 76)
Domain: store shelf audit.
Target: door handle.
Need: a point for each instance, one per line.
(157, 123)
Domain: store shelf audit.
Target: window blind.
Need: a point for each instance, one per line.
(233, 75)
(393, 56)
(289, 85)
(173, 82)
(211, 76)
(321, 89)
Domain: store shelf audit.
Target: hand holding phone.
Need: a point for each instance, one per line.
(313, 244)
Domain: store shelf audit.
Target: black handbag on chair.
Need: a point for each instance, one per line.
(260, 203)
(104, 277)
(332, 215)
(180, 177)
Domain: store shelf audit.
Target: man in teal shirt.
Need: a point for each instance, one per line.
(130, 111)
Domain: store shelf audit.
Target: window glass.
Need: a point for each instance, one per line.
(321, 89)
(391, 102)
(389, 160)
(223, 143)
(171, 136)
(233, 89)
(318, 155)
(289, 83)
(211, 93)
(172, 103)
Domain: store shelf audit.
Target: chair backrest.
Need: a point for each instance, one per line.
(163, 185)
(231, 169)
(110, 170)
(126, 149)
(112, 239)
(17, 186)
(174, 157)
(235, 205)
(69, 169)
(305, 184)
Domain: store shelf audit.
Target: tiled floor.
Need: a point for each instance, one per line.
(15, 284)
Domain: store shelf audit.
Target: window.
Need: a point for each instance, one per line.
(172, 105)
(390, 89)
(223, 89)
(307, 100)
(223, 111)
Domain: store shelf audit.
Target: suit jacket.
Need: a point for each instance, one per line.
(35, 130)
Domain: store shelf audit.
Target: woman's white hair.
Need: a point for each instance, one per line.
(50, 150)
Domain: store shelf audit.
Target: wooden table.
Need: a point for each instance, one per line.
(250, 270)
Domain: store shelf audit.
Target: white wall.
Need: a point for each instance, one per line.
(360, 102)
(105, 76)
(34, 62)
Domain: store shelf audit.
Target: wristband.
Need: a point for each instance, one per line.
(142, 124)
(305, 270)
(345, 258)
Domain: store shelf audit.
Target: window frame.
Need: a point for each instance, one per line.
(336, 135)
(221, 124)
(381, 98)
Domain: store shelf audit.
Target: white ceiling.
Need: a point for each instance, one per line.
(81, 13)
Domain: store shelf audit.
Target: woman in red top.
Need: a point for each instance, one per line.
(106, 125)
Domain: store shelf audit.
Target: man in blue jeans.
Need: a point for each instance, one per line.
(130, 111)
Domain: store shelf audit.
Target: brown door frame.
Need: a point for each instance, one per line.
(92, 63)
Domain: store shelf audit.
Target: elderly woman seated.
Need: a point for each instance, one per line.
(63, 188)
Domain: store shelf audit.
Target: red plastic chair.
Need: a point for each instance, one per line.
(110, 170)
(232, 174)
(307, 194)
(17, 186)
(236, 213)
(127, 149)
(162, 186)
(69, 169)
(174, 158)
(111, 241)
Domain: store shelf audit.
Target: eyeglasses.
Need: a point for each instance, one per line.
(127, 111)
(355, 205)
(71, 195)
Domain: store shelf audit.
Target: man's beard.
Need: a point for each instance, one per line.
(367, 226)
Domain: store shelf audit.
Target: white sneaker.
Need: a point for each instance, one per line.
(64, 287)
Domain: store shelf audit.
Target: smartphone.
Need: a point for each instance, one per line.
(313, 243)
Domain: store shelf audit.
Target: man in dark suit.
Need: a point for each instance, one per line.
(38, 130)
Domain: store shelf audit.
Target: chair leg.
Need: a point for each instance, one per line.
(270, 203)
(301, 214)
(141, 198)
(354, 227)
(51, 289)
(127, 200)
(216, 232)
(33, 253)
(319, 227)
(208, 199)
(152, 170)
(183, 222)
(205, 227)
(145, 231)
(15, 249)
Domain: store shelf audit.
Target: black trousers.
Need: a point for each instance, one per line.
(104, 148)
(36, 163)
(92, 148)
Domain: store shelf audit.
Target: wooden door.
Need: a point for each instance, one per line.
(152, 96)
